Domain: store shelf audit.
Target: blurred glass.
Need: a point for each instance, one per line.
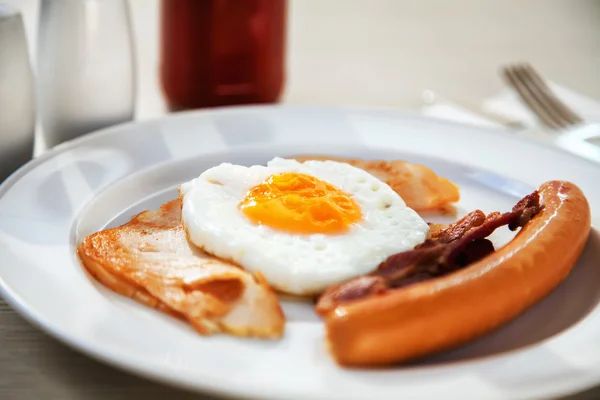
(17, 101)
(85, 67)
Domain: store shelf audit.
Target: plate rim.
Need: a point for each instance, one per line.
(112, 358)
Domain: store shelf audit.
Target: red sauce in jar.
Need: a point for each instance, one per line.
(222, 52)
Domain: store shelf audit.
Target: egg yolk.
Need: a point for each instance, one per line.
(299, 203)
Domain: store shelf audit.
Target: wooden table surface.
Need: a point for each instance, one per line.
(34, 366)
(381, 53)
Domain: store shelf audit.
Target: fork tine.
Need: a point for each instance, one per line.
(513, 80)
(560, 107)
(538, 96)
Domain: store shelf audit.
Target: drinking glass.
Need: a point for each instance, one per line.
(85, 67)
(17, 100)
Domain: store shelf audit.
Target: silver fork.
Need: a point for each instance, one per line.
(539, 97)
(575, 135)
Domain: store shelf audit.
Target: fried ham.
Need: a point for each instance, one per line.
(150, 260)
(419, 186)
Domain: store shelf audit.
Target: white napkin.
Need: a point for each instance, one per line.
(444, 109)
(508, 105)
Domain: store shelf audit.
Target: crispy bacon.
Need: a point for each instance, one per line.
(448, 249)
(456, 230)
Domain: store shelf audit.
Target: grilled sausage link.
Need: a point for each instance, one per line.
(445, 312)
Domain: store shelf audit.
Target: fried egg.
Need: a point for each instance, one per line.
(302, 226)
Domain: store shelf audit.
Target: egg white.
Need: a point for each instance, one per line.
(295, 263)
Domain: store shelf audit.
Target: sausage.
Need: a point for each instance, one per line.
(428, 317)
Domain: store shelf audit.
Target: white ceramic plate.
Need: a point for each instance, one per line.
(48, 206)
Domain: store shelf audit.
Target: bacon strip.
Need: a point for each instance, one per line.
(448, 249)
(459, 228)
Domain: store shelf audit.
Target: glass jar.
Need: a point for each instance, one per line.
(222, 52)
